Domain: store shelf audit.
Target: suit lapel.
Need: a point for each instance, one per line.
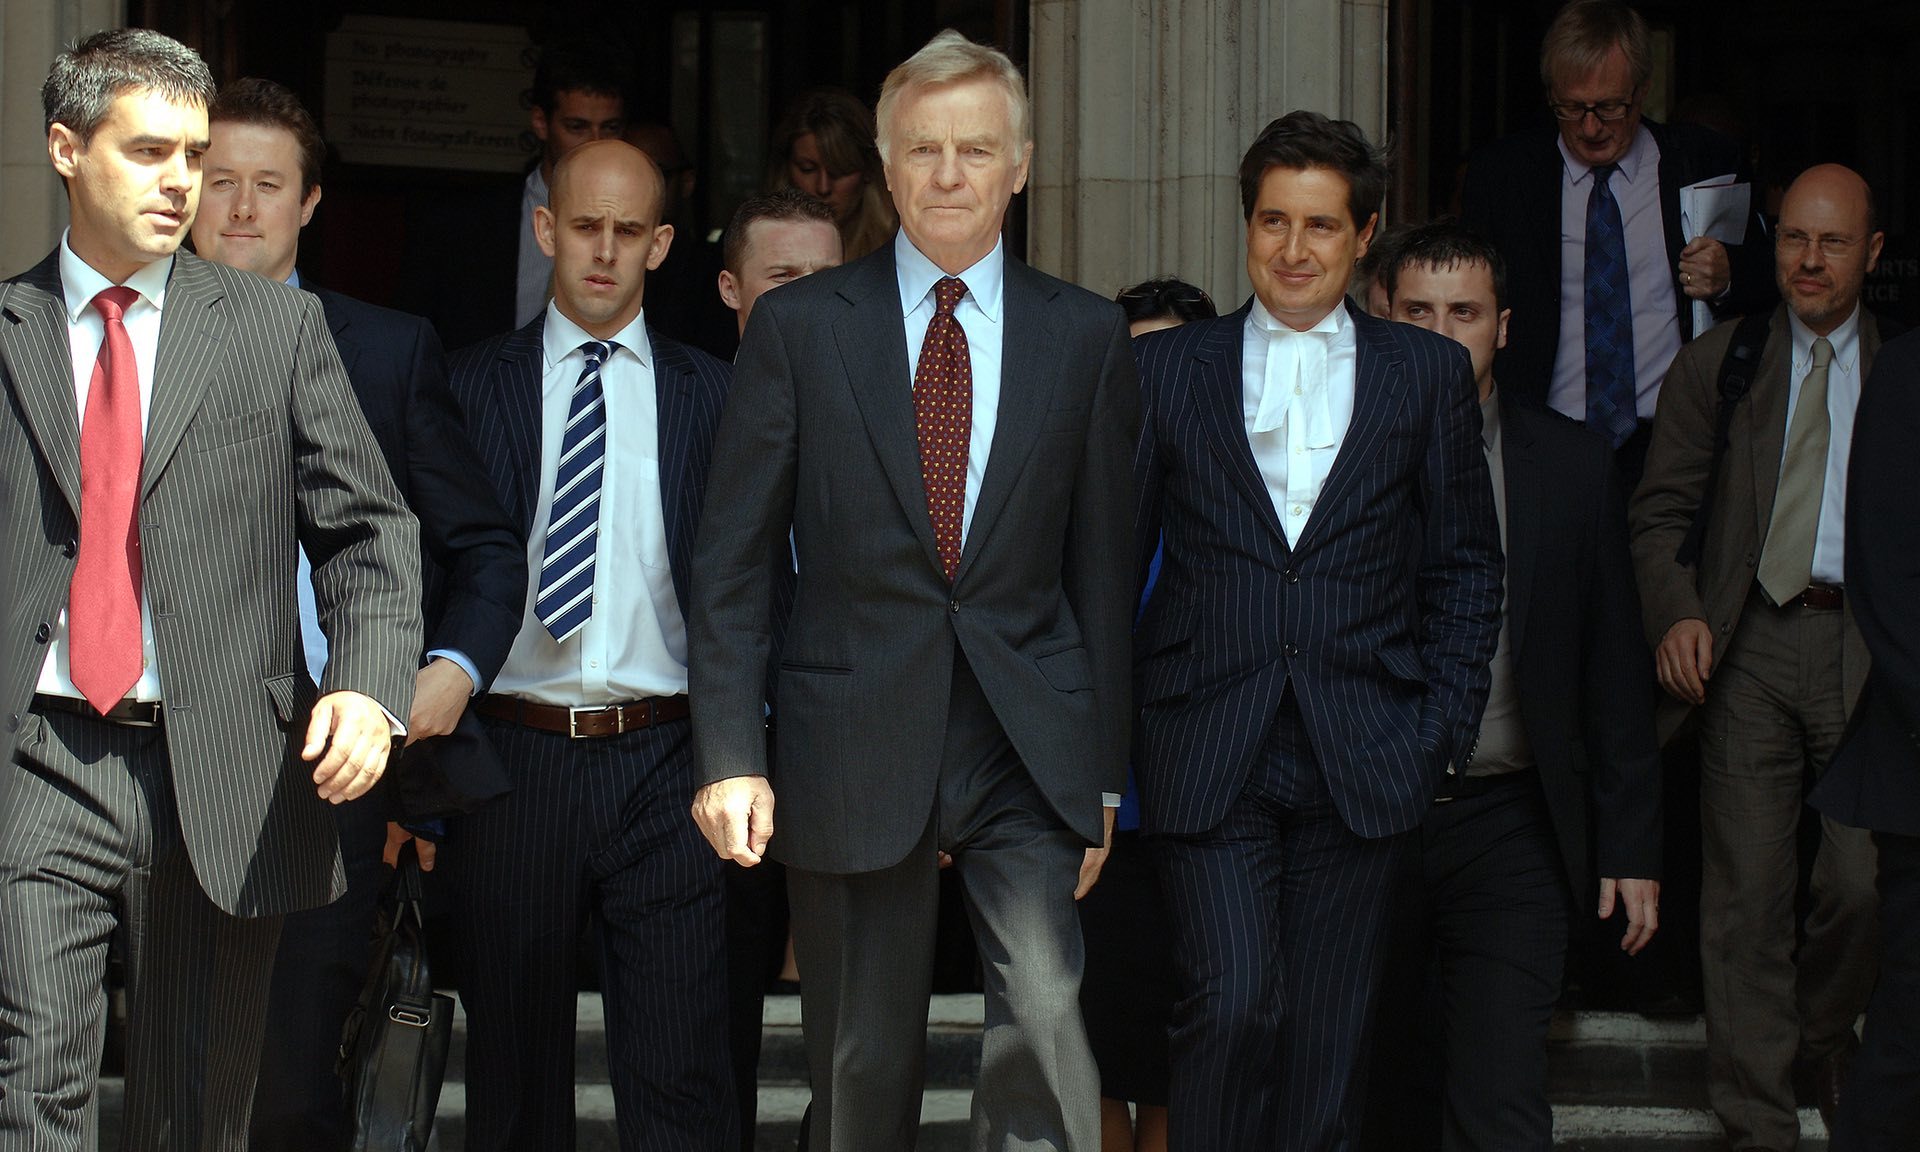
(872, 340)
(1378, 376)
(1525, 474)
(519, 400)
(1029, 359)
(673, 384)
(39, 361)
(338, 324)
(1766, 415)
(194, 331)
(1219, 396)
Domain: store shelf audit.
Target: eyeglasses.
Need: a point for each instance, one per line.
(1607, 111)
(1794, 241)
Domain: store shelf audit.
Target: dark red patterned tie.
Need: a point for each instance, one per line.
(103, 603)
(943, 418)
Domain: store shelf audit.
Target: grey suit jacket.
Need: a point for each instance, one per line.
(818, 435)
(1678, 460)
(254, 443)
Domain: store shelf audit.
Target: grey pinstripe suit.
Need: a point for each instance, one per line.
(196, 836)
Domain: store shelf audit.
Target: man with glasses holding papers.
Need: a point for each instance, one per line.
(1589, 221)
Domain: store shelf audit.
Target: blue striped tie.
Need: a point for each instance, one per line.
(1611, 408)
(573, 523)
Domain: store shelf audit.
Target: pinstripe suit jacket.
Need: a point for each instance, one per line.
(819, 435)
(498, 382)
(254, 442)
(1383, 617)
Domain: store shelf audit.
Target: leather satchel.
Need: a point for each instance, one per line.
(393, 1049)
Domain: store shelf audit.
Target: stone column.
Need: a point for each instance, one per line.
(1143, 108)
(32, 33)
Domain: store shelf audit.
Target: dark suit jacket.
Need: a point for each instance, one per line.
(497, 383)
(478, 563)
(1583, 676)
(1383, 618)
(1512, 198)
(819, 436)
(1874, 779)
(253, 443)
(1678, 460)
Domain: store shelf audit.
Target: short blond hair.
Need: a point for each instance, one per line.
(1586, 32)
(948, 59)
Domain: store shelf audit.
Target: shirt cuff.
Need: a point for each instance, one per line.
(465, 665)
(1109, 799)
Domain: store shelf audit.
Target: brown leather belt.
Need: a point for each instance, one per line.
(1826, 597)
(132, 713)
(587, 722)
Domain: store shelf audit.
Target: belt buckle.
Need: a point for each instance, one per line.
(573, 720)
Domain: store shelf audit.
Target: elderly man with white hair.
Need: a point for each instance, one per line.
(948, 435)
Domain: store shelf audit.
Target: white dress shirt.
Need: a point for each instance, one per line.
(533, 286)
(982, 315)
(86, 331)
(635, 643)
(1297, 400)
(1843, 399)
(1656, 313)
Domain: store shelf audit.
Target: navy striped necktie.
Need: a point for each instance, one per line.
(565, 600)
(1611, 404)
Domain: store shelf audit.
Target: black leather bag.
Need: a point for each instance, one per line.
(393, 1050)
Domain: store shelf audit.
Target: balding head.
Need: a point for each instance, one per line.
(602, 227)
(1825, 245)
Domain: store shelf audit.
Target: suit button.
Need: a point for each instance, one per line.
(43, 633)
(953, 606)
(1292, 577)
(70, 548)
(1293, 649)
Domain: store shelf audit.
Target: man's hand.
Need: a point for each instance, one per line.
(1096, 859)
(355, 735)
(422, 847)
(1642, 900)
(736, 817)
(1684, 659)
(440, 694)
(1704, 269)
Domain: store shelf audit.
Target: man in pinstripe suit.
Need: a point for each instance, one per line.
(1314, 660)
(173, 430)
(596, 432)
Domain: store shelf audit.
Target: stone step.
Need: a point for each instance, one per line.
(1620, 1082)
(944, 1112)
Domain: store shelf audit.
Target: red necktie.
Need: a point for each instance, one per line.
(103, 605)
(943, 419)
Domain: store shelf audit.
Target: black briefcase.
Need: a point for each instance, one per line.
(393, 1050)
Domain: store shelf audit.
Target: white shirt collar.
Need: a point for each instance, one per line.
(917, 276)
(1845, 340)
(561, 337)
(1334, 323)
(79, 283)
(1629, 163)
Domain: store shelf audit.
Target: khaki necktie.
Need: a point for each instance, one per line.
(1786, 562)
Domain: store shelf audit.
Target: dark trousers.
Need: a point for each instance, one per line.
(90, 843)
(1773, 716)
(1475, 964)
(865, 946)
(756, 944)
(318, 973)
(593, 829)
(1880, 1111)
(1277, 915)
